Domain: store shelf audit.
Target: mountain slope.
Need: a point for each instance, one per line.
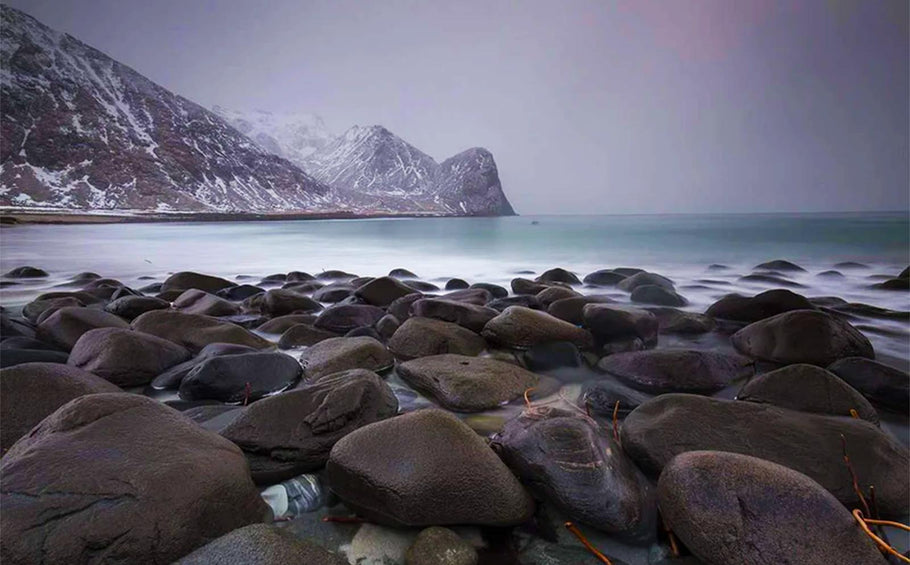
(80, 130)
(292, 136)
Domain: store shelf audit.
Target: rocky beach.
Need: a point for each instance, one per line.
(448, 420)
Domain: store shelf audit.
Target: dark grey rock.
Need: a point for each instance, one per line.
(464, 314)
(194, 331)
(241, 377)
(26, 272)
(752, 309)
(172, 378)
(520, 328)
(194, 301)
(261, 544)
(421, 337)
(383, 291)
(278, 302)
(676, 370)
(343, 318)
(65, 326)
(883, 385)
(125, 357)
(604, 277)
(303, 335)
(780, 265)
(654, 294)
(644, 278)
(186, 280)
(343, 353)
(612, 322)
(131, 307)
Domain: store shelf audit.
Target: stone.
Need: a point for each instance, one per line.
(125, 357)
(35, 310)
(802, 336)
(553, 356)
(456, 284)
(575, 465)
(571, 309)
(292, 433)
(400, 273)
(281, 324)
(525, 286)
(425, 468)
(673, 321)
(771, 279)
(600, 397)
(670, 424)
(494, 289)
(526, 300)
(239, 292)
(780, 265)
(611, 322)
(13, 357)
(807, 388)
(464, 314)
(33, 391)
(719, 505)
(401, 307)
(421, 286)
(261, 544)
(549, 295)
(604, 277)
(343, 353)
(155, 487)
(644, 278)
(186, 280)
(299, 276)
(383, 291)
(241, 377)
(752, 309)
(194, 301)
(172, 378)
(467, 384)
(65, 326)
(387, 326)
(365, 332)
(883, 385)
(654, 294)
(131, 307)
(676, 370)
(420, 337)
(303, 335)
(894, 284)
(334, 274)
(26, 272)
(440, 546)
(559, 275)
(478, 296)
(345, 317)
(519, 328)
(194, 331)
(334, 293)
(278, 302)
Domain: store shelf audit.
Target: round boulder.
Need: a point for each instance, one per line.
(883, 385)
(303, 335)
(518, 327)
(611, 322)
(278, 302)
(676, 370)
(467, 315)
(131, 307)
(758, 307)
(644, 278)
(261, 544)
(654, 294)
(420, 337)
(343, 353)
(560, 275)
(65, 326)
(241, 377)
(186, 280)
(383, 291)
(125, 357)
(194, 331)
(194, 301)
(345, 317)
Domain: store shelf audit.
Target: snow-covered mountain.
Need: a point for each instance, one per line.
(292, 136)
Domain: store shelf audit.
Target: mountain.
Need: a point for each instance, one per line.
(292, 136)
(376, 168)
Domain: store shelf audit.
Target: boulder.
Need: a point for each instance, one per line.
(33, 391)
(383, 291)
(345, 317)
(334, 293)
(780, 265)
(612, 322)
(520, 328)
(36, 310)
(575, 465)
(802, 336)
(676, 370)
(440, 546)
(526, 300)
(131, 307)
(420, 337)
(292, 433)
(552, 356)
(299, 276)
(278, 302)
(241, 377)
(670, 424)
(731, 508)
(172, 378)
(467, 384)
(654, 294)
(281, 324)
(261, 544)
(550, 295)
(525, 286)
(26, 272)
(155, 487)
(457, 284)
(186, 280)
(673, 321)
(494, 289)
(400, 273)
(343, 353)
(883, 385)
(239, 292)
(474, 295)
(65, 326)
(194, 301)
(194, 331)
(464, 314)
(421, 286)
(600, 397)
(13, 357)
(559, 275)
(764, 305)
(571, 309)
(894, 284)
(644, 278)
(387, 326)
(604, 277)
(303, 335)
(401, 308)
(425, 468)
(125, 357)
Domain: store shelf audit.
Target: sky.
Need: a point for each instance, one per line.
(626, 106)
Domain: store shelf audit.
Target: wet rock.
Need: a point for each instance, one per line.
(850, 265)
(653, 294)
(140, 449)
(345, 317)
(37, 310)
(572, 309)
(526, 300)
(464, 314)
(478, 296)
(125, 357)
(20, 342)
(26, 272)
(673, 321)
(303, 335)
(402, 274)
(383, 291)
(604, 277)
(421, 337)
(525, 286)
(520, 328)
(239, 292)
(425, 468)
(704, 493)
(554, 293)
(623, 345)
(576, 466)
(440, 546)
(883, 385)
(344, 353)
(676, 370)
(421, 286)
(467, 384)
(612, 322)
(65, 326)
(387, 326)
(830, 275)
(364, 332)
(279, 302)
(131, 307)
(559, 275)
(644, 278)
(195, 332)
(172, 378)
(671, 424)
(905, 274)
(241, 377)
(14, 327)
(780, 265)
(771, 279)
(305, 286)
(401, 308)
(457, 284)
(283, 323)
(13, 357)
(261, 544)
(752, 309)
(494, 289)
(802, 336)
(195, 301)
(894, 284)
(33, 391)
(808, 388)
(299, 276)
(600, 397)
(552, 356)
(186, 280)
(292, 433)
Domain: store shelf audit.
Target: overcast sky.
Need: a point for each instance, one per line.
(588, 107)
